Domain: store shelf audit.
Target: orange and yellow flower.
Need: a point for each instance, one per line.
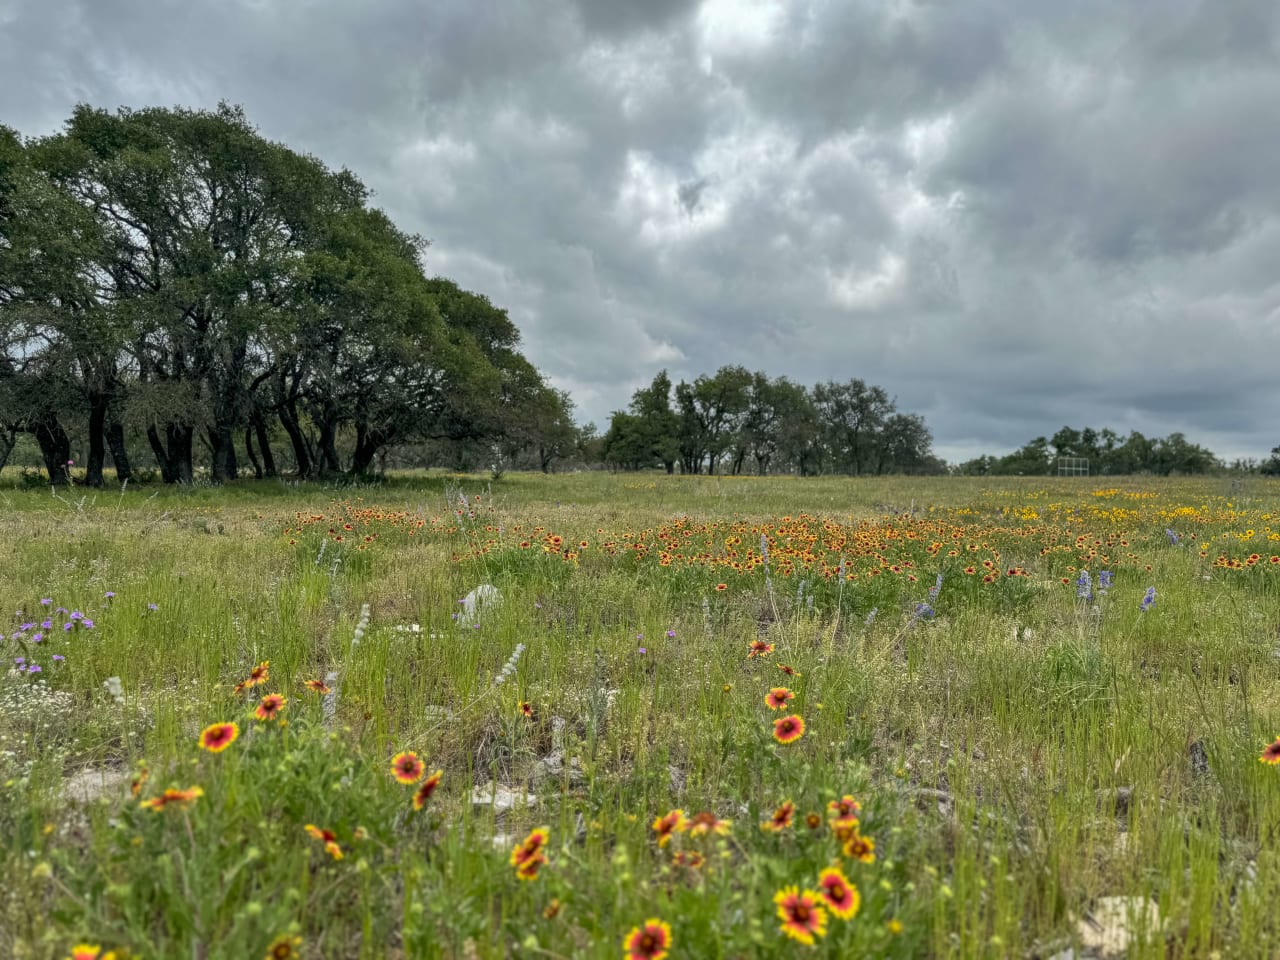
(788, 729)
(424, 792)
(269, 707)
(688, 858)
(788, 670)
(1271, 752)
(218, 736)
(135, 788)
(318, 686)
(844, 828)
(781, 818)
(650, 941)
(173, 798)
(407, 767)
(777, 697)
(706, 822)
(802, 914)
(284, 948)
(841, 896)
(672, 823)
(257, 676)
(860, 848)
(759, 648)
(845, 807)
(328, 838)
(85, 951)
(528, 855)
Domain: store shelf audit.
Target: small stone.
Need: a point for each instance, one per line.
(501, 798)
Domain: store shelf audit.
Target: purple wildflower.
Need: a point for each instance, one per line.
(923, 610)
(46, 624)
(37, 637)
(87, 623)
(644, 650)
(108, 595)
(35, 668)
(1148, 599)
(153, 606)
(66, 627)
(45, 601)
(77, 615)
(1084, 586)
(671, 634)
(1173, 537)
(58, 656)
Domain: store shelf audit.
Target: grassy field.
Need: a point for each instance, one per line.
(982, 747)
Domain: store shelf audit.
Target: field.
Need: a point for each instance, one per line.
(981, 747)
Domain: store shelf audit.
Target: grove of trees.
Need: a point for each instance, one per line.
(738, 422)
(1107, 451)
(171, 278)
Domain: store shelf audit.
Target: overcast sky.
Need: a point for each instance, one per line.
(1012, 215)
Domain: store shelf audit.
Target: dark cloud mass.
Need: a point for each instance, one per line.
(1012, 215)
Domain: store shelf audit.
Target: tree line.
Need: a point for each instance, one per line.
(1107, 452)
(171, 277)
(737, 421)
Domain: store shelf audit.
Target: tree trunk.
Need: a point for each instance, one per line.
(289, 420)
(168, 473)
(181, 442)
(328, 446)
(248, 449)
(264, 447)
(97, 432)
(55, 446)
(119, 454)
(222, 449)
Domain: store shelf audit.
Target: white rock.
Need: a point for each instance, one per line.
(501, 798)
(1112, 924)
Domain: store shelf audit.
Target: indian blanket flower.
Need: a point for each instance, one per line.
(526, 708)
(173, 798)
(528, 855)
(781, 818)
(812, 821)
(426, 789)
(88, 951)
(650, 941)
(284, 947)
(706, 822)
(841, 896)
(257, 676)
(135, 788)
(844, 828)
(802, 914)
(688, 858)
(788, 729)
(407, 768)
(218, 736)
(846, 806)
(328, 838)
(1271, 753)
(269, 707)
(317, 686)
(790, 671)
(759, 648)
(776, 698)
(672, 823)
(860, 848)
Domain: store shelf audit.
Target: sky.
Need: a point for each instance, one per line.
(1012, 215)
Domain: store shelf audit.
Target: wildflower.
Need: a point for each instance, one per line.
(781, 818)
(776, 698)
(759, 648)
(1173, 537)
(651, 941)
(846, 806)
(284, 948)
(688, 858)
(526, 708)
(722, 586)
(135, 788)
(1271, 753)
(844, 828)
(1104, 580)
(894, 926)
(812, 821)
(802, 915)
(665, 826)
(1084, 586)
(317, 686)
(218, 736)
(179, 798)
(860, 848)
(270, 706)
(424, 792)
(328, 838)
(788, 729)
(552, 910)
(85, 951)
(788, 670)
(706, 822)
(528, 857)
(1148, 599)
(407, 768)
(257, 676)
(671, 634)
(841, 896)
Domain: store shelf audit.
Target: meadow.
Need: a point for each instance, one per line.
(706, 717)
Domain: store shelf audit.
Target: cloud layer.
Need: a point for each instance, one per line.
(1011, 215)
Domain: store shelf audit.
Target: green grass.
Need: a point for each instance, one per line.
(1019, 756)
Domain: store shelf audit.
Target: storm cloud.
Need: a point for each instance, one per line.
(1012, 215)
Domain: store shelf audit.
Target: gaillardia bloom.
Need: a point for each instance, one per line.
(706, 822)
(173, 798)
(1271, 753)
(688, 858)
(776, 698)
(788, 670)
(651, 941)
(846, 806)
(257, 676)
(218, 736)
(759, 648)
(841, 896)
(284, 948)
(425, 790)
(781, 818)
(844, 828)
(318, 686)
(328, 838)
(526, 708)
(407, 767)
(860, 848)
(802, 915)
(269, 707)
(528, 856)
(665, 826)
(85, 951)
(788, 729)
